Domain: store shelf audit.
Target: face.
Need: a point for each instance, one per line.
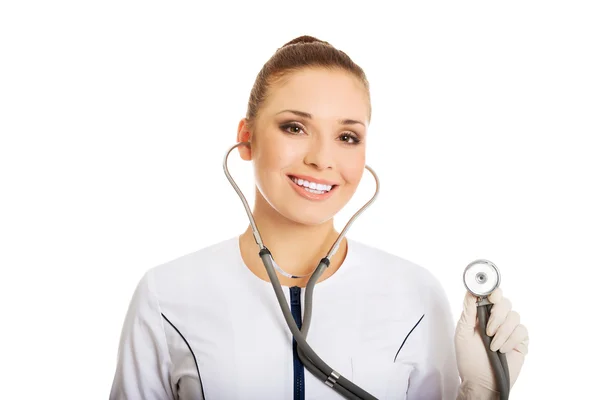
(308, 144)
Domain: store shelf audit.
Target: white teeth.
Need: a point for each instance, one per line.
(312, 186)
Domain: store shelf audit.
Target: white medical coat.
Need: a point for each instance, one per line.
(380, 321)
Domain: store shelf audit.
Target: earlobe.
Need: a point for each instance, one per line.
(245, 152)
(244, 135)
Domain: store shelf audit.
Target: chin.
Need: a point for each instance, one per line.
(307, 216)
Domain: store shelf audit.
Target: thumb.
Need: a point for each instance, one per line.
(469, 313)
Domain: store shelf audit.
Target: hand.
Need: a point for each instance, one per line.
(510, 337)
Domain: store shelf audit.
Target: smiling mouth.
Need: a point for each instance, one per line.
(312, 187)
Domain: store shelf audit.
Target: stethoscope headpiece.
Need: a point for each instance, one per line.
(481, 278)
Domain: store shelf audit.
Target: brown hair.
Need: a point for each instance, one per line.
(304, 51)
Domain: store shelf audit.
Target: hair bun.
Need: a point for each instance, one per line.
(304, 39)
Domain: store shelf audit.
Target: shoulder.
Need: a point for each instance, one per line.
(199, 260)
(196, 271)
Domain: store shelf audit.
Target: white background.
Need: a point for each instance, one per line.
(115, 117)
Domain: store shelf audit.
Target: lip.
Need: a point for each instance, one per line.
(308, 195)
(315, 180)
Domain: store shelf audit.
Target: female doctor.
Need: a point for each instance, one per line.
(207, 325)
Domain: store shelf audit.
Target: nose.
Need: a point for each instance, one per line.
(319, 154)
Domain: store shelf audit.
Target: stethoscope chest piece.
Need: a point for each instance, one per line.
(481, 278)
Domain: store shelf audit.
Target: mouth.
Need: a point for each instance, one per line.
(312, 187)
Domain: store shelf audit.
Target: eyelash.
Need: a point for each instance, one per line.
(353, 136)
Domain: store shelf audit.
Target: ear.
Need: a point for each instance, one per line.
(244, 135)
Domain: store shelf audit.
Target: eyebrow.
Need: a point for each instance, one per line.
(309, 116)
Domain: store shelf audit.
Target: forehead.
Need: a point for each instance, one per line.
(324, 93)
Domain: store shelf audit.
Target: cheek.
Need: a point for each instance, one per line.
(354, 169)
(272, 157)
(276, 154)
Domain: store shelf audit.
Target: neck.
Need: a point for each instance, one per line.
(296, 248)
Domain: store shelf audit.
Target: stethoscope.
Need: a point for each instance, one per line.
(481, 278)
(312, 362)
(478, 279)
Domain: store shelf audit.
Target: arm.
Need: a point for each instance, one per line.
(143, 359)
(436, 376)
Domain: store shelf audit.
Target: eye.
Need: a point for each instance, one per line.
(293, 128)
(349, 138)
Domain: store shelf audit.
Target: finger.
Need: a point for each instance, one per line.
(515, 360)
(523, 347)
(496, 296)
(519, 335)
(505, 330)
(498, 315)
(469, 314)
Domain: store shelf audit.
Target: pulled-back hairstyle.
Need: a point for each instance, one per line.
(302, 52)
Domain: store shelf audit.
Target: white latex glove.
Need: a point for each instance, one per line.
(512, 338)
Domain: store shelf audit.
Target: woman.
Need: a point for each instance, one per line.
(208, 325)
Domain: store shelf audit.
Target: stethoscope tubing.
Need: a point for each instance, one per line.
(497, 359)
